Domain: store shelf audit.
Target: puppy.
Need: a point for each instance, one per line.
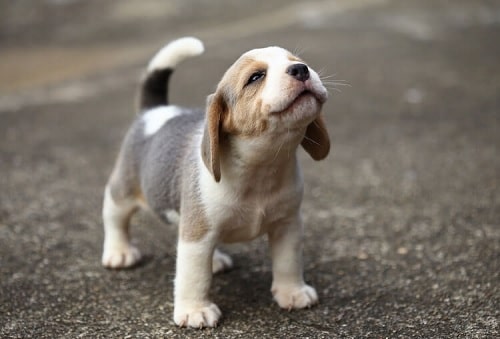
(225, 174)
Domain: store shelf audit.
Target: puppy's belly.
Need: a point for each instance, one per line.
(241, 233)
(243, 226)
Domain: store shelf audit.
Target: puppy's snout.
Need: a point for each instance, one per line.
(299, 72)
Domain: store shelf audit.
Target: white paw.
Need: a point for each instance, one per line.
(221, 262)
(207, 315)
(120, 257)
(290, 297)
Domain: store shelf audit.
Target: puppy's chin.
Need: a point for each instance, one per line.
(303, 109)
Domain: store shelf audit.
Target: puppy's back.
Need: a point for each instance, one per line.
(156, 142)
(165, 156)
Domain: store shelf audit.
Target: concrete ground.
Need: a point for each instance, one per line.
(403, 218)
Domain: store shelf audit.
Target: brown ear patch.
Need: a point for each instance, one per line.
(316, 141)
(210, 147)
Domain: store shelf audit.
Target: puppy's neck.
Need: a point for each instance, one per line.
(269, 150)
(260, 165)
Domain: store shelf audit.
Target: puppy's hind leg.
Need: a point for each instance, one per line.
(221, 262)
(118, 251)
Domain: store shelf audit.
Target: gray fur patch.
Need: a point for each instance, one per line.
(153, 165)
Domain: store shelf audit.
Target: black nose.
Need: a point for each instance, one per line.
(299, 72)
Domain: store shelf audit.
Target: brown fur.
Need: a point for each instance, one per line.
(194, 226)
(244, 116)
(316, 141)
(210, 142)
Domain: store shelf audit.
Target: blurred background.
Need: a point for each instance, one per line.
(403, 233)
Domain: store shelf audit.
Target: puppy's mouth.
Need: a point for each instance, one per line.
(304, 95)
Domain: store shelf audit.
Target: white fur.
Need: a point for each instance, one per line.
(273, 94)
(192, 283)
(118, 251)
(221, 261)
(288, 288)
(175, 52)
(157, 117)
(172, 216)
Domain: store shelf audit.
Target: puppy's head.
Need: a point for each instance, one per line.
(267, 91)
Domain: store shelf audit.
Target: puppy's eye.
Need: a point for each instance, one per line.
(256, 76)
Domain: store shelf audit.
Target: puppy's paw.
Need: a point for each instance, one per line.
(221, 262)
(206, 315)
(120, 257)
(299, 296)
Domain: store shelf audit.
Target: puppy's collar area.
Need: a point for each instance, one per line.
(266, 151)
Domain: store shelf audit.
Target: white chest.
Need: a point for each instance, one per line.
(248, 220)
(240, 215)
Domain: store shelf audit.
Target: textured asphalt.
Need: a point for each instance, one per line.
(402, 219)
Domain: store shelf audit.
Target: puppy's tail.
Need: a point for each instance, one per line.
(154, 87)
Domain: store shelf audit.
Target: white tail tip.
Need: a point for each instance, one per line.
(175, 52)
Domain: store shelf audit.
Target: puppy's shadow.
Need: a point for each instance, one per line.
(244, 288)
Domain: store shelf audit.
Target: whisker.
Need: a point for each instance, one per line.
(330, 82)
(298, 51)
(334, 80)
(334, 84)
(320, 73)
(322, 77)
(278, 151)
(311, 140)
(334, 89)
(337, 83)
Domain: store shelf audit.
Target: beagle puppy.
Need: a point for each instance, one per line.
(225, 174)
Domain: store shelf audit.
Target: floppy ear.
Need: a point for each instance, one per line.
(216, 106)
(316, 141)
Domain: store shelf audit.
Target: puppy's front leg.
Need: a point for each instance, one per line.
(192, 283)
(289, 288)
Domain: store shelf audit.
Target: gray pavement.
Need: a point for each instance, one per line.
(403, 218)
